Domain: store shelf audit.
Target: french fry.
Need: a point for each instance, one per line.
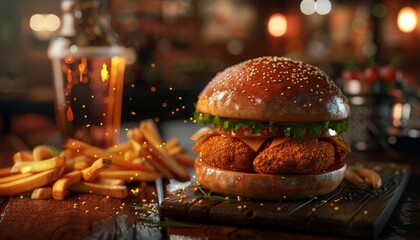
(95, 152)
(39, 166)
(42, 193)
(144, 162)
(80, 165)
(77, 163)
(363, 176)
(371, 177)
(67, 153)
(175, 150)
(149, 127)
(141, 156)
(92, 172)
(137, 149)
(157, 164)
(149, 132)
(23, 156)
(144, 157)
(120, 148)
(115, 191)
(185, 159)
(130, 176)
(61, 185)
(114, 167)
(171, 143)
(5, 171)
(43, 152)
(169, 162)
(129, 155)
(109, 181)
(73, 155)
(34, 181)
(14, 177)
(353, 178)
(134, 134)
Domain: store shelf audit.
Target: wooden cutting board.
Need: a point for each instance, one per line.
(348, 211)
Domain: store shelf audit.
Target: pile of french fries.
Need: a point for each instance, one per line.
(81, 167)
(361, 176)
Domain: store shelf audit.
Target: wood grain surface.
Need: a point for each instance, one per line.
(348, 211)
(79, 216)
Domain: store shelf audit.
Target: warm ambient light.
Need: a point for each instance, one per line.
(44, 25)
(277, 25)
(407, 19)
(323, 7)
(307, 7)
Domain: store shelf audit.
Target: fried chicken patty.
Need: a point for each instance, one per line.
(226, 153)
(304, 156)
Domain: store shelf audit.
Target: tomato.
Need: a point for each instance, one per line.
(353, 74)
(371, 74)
(389, 73)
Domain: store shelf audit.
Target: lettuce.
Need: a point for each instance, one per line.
(297, 130)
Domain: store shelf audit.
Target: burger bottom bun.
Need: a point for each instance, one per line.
(269, 187)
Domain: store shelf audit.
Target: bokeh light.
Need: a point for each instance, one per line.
(307, 7)
(43, 26)
(359, 25)
(277, 25)
(407, 19)
(323, 7)
(379, 10)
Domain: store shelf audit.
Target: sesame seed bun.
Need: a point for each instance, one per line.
(273, 89)
(269, 187)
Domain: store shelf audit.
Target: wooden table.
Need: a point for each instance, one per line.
(85, 216)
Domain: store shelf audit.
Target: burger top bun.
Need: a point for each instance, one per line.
(273, 89)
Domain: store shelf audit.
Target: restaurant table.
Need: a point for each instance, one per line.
(87, 216)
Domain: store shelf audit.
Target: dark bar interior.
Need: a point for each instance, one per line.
(174, 48)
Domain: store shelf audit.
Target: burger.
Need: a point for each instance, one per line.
(272, 131)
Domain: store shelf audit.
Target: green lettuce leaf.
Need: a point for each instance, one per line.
(297, 130)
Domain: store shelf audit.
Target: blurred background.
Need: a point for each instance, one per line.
(174, 47)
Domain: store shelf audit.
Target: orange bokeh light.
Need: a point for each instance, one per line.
(407, 19)
(277, 25)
